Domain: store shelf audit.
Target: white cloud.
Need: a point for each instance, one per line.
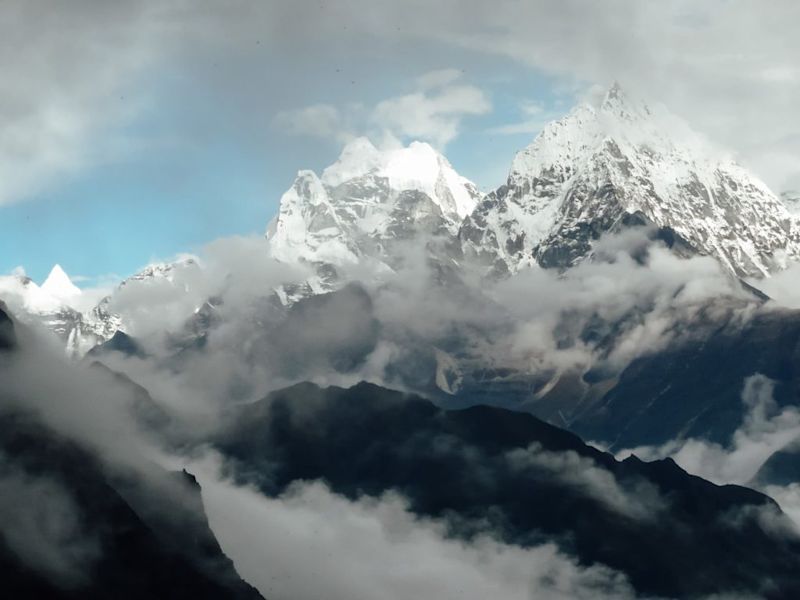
(788, 497)
(764, 430)
(311, 543)
(42, 524)
(433, 115)
(534, 118)
(726, 65)
(319, 120)
(67, 72)
(437, 79)
(783, 287)
(641, 501)
(433, 112)
(74, 72)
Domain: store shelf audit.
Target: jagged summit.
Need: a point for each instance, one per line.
(611, 162)
(164, 270)
(367, 201)
(618, 102)
(414, 167)
(592, 170)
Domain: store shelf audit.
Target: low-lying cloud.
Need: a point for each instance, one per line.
(639, 499)
(309, 543)
(765, 429)
(43, 525)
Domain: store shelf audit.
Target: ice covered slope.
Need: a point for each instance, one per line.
(616, 161)
(367, 202)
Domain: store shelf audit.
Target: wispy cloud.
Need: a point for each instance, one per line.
(62, 87)
(534, 116)
(433, 111)
(345, 546)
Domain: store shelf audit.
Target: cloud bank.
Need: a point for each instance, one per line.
(378, 549)
(432, 112)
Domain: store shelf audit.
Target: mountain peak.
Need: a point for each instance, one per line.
(358, 157)
(605, 163)
(416, 167)
(616, 95)
(621, 105)
(367, 201)
(59, 285)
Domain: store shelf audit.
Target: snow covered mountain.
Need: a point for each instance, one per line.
(81, 324)
(606, 165)
(57, 304)
(367, 203)
(618, 161)
(157, 288)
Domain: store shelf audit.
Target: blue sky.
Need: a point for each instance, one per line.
(134, 131)
(192, 171)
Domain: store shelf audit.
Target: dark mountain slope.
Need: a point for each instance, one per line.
(70, 527)
(486, 469)
(141, 549)
(694, 388)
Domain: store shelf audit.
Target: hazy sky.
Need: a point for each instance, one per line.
(133, 131)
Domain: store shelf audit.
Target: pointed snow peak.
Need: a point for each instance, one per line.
(416, 167)
(619, 105)
(616, 157)
(358, 157)
(59, 285)
(405, 167)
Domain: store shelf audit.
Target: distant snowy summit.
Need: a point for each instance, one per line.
(63, 308)
(606, 165)
(59, 305)
(368, 204)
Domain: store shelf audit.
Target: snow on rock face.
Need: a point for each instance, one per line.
(56, 303)
(604, 164)
(164, 270)
(368, 201)
(53, 305)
